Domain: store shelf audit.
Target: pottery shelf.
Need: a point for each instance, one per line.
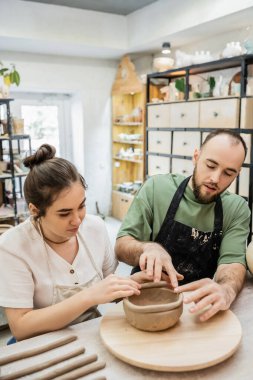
(11, 146)
(175, 128)
(128, 160)
(128, 142)
(197, 100)
(7, 211)
(14, 137)
(129, 124)
(9, 176)
(221, 64)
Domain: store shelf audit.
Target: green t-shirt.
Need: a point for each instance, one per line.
(149, 207)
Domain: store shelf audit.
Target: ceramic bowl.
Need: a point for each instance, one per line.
(155, 309)
(163, 63)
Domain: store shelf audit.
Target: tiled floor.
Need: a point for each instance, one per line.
(122, 270)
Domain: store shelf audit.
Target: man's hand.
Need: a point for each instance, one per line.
(156, 260)
(211, 296)
(207, 295)
(150, 256)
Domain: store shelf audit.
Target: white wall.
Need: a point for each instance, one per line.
(183, 20)
(53, 29)
(90, 82)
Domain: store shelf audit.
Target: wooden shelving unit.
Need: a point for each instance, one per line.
(128, 136)
(10, 147)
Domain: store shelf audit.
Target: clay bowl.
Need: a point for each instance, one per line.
(249, 256)
(156, 308)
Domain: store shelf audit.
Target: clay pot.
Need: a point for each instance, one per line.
(249, 257)
(155, 309)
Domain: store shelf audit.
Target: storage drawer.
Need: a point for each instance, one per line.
(184, 167)
(159, 142)
(223, 113)
(120, 204)
(125, 203)
(159, 116)
(185, 115)
(247, 139)
(158, 165)
(184, 143)
(247, 113)
(232, 187)
(244, 182)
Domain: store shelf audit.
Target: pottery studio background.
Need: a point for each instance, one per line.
(68, 57)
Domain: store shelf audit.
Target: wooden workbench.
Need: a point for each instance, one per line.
(239, 366)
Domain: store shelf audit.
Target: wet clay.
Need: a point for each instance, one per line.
(155, 309)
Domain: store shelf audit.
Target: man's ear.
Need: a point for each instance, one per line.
(196, 155)
(33, 209)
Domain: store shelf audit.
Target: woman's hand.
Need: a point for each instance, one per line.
(113, 287)
(141, 277)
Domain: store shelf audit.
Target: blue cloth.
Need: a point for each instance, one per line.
(12, 340)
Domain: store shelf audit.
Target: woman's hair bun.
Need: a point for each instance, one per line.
(43, 153)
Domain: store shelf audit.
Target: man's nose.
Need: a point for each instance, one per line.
(215, 176)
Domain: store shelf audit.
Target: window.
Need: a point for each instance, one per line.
(46, 117)
(41, 123)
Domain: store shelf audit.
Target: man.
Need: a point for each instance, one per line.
(191, 229)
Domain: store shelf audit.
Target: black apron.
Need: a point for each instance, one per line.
(194, 253)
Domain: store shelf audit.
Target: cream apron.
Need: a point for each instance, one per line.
(62, 292)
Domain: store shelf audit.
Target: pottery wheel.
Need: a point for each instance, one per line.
(188, 346)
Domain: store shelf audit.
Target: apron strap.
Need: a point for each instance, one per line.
(176, 200)
(218, 215)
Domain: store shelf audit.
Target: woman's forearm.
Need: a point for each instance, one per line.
(25, 324)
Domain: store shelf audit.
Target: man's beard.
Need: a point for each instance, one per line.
(197, 191)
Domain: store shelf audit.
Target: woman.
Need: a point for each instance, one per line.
(57, 266)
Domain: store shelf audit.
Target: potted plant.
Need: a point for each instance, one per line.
(10, 76)
(180, 86)
(211, 83)
(207, 88)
